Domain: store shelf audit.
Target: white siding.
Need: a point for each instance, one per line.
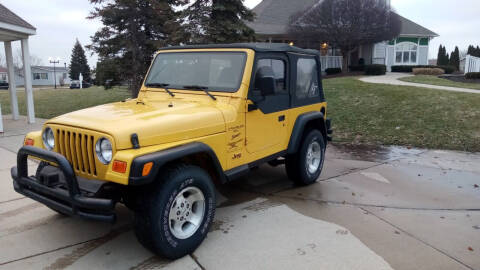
(380, 53)
(44, 82)
(380, 50)
(367, 51)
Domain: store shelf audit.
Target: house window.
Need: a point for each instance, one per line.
(3, 77)
(64, 76)
(406, 53)
(40, 76)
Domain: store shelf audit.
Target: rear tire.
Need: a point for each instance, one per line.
(305, 166)
(176, 212)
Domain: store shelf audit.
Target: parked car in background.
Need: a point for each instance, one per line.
(76, 85)
(109, 84)
(3, 85)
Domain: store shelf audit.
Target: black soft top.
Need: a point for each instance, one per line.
(258, 47)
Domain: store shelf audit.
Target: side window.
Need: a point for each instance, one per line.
(307, 79)
(279, 69)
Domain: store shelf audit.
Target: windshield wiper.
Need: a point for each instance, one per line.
(161, 85)
(199, 87)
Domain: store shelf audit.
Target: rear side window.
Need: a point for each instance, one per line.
(307, 79)
(279, 70)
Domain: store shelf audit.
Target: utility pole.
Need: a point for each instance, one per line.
(54, 71)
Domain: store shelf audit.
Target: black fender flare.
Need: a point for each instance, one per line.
(317, 118)
(162, 157)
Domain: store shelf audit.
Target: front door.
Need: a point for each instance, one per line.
(266, 127)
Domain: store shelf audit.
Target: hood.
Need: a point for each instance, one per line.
(155, 122)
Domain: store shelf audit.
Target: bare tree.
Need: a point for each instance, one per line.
(18, 59)
(346, 24)
(35, 60)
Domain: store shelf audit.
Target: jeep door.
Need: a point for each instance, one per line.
(266, 117)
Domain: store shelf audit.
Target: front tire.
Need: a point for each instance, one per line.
(305, 166)
(176, 213)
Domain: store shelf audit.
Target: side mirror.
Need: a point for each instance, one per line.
(265, 81)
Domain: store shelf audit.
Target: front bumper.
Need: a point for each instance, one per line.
(65, 197)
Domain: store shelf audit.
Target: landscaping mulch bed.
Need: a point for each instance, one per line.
(341, 75)
(458, 78)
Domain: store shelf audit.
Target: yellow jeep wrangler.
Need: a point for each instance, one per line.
(205, 114)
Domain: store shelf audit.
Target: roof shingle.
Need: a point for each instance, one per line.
(273, 17)
(7, 16)
(410, 28)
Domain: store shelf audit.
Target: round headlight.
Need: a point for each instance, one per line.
(103, 148)
(48, 139)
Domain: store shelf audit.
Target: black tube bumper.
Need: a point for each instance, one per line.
(67, 198)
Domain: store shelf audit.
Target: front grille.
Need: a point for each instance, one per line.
(79, 149)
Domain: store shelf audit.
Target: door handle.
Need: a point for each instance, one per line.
(281, 118)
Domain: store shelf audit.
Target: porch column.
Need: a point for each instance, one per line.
(11, 79)
(1, 119)
(27, 72)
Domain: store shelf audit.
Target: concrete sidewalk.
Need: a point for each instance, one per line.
(372, 208)
(15, 131)
(392, 78)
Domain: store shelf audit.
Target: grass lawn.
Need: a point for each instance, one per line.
(366, 113)
(434, 80)
(362, 113)
(51, 103)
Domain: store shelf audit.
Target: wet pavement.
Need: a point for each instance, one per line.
(372, 208)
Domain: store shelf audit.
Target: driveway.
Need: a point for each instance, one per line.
(372, 208)
(392, 78)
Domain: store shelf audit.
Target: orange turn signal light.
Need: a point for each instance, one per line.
(147, 168)
(29, 142)
(119, 166)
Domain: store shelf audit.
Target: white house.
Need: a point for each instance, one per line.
(3, 74)
(46, 76)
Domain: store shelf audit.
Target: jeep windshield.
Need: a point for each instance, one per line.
(198, 71)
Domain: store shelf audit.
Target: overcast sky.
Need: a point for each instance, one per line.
(60, 22)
